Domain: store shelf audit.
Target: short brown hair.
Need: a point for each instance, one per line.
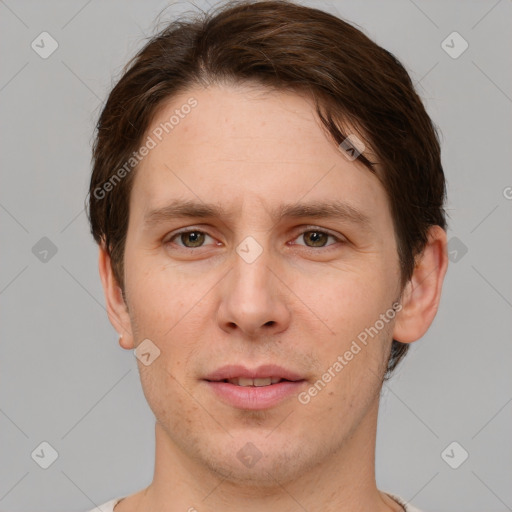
(280, 45)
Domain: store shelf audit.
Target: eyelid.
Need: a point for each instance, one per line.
(312, 227)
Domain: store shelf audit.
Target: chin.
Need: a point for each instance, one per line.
(256, 460)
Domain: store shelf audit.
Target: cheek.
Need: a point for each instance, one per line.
(158, 299)
(351, 372)
(355, 342)
(168, 395)
(347, 301)
(166, 309)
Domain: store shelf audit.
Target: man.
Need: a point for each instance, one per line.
(267, 196)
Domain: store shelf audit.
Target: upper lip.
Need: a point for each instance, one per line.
(233, 371)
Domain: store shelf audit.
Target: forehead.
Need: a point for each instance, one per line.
(241, 145)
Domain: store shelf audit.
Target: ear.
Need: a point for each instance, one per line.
(421, 295)
(116, 307)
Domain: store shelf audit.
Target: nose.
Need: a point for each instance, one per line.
(254, 298)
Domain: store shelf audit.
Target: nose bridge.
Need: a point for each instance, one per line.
(250, 298)
(251, 275)
(253, 251)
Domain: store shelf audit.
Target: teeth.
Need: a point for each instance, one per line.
(242, 381)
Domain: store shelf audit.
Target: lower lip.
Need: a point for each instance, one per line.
(255, 397)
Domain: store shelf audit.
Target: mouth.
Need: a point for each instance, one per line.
(261, 388)
(261, 382)
(263, 375)
(258, 388)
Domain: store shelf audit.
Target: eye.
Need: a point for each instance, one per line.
(190, 239)
(317, 237)
(194, 238)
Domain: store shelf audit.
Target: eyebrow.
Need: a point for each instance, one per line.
(337, 210)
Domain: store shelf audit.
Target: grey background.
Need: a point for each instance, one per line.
(65, 380)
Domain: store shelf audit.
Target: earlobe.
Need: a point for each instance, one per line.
(116, 307)
(422, 294)
(124, 344)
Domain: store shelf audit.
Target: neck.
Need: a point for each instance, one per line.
(342, 480)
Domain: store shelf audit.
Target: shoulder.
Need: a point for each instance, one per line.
(107, 507)
(408, 507)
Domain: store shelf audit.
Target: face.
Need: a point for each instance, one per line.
(264, 280)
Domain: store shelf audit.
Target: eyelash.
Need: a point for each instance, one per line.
(311, 229)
